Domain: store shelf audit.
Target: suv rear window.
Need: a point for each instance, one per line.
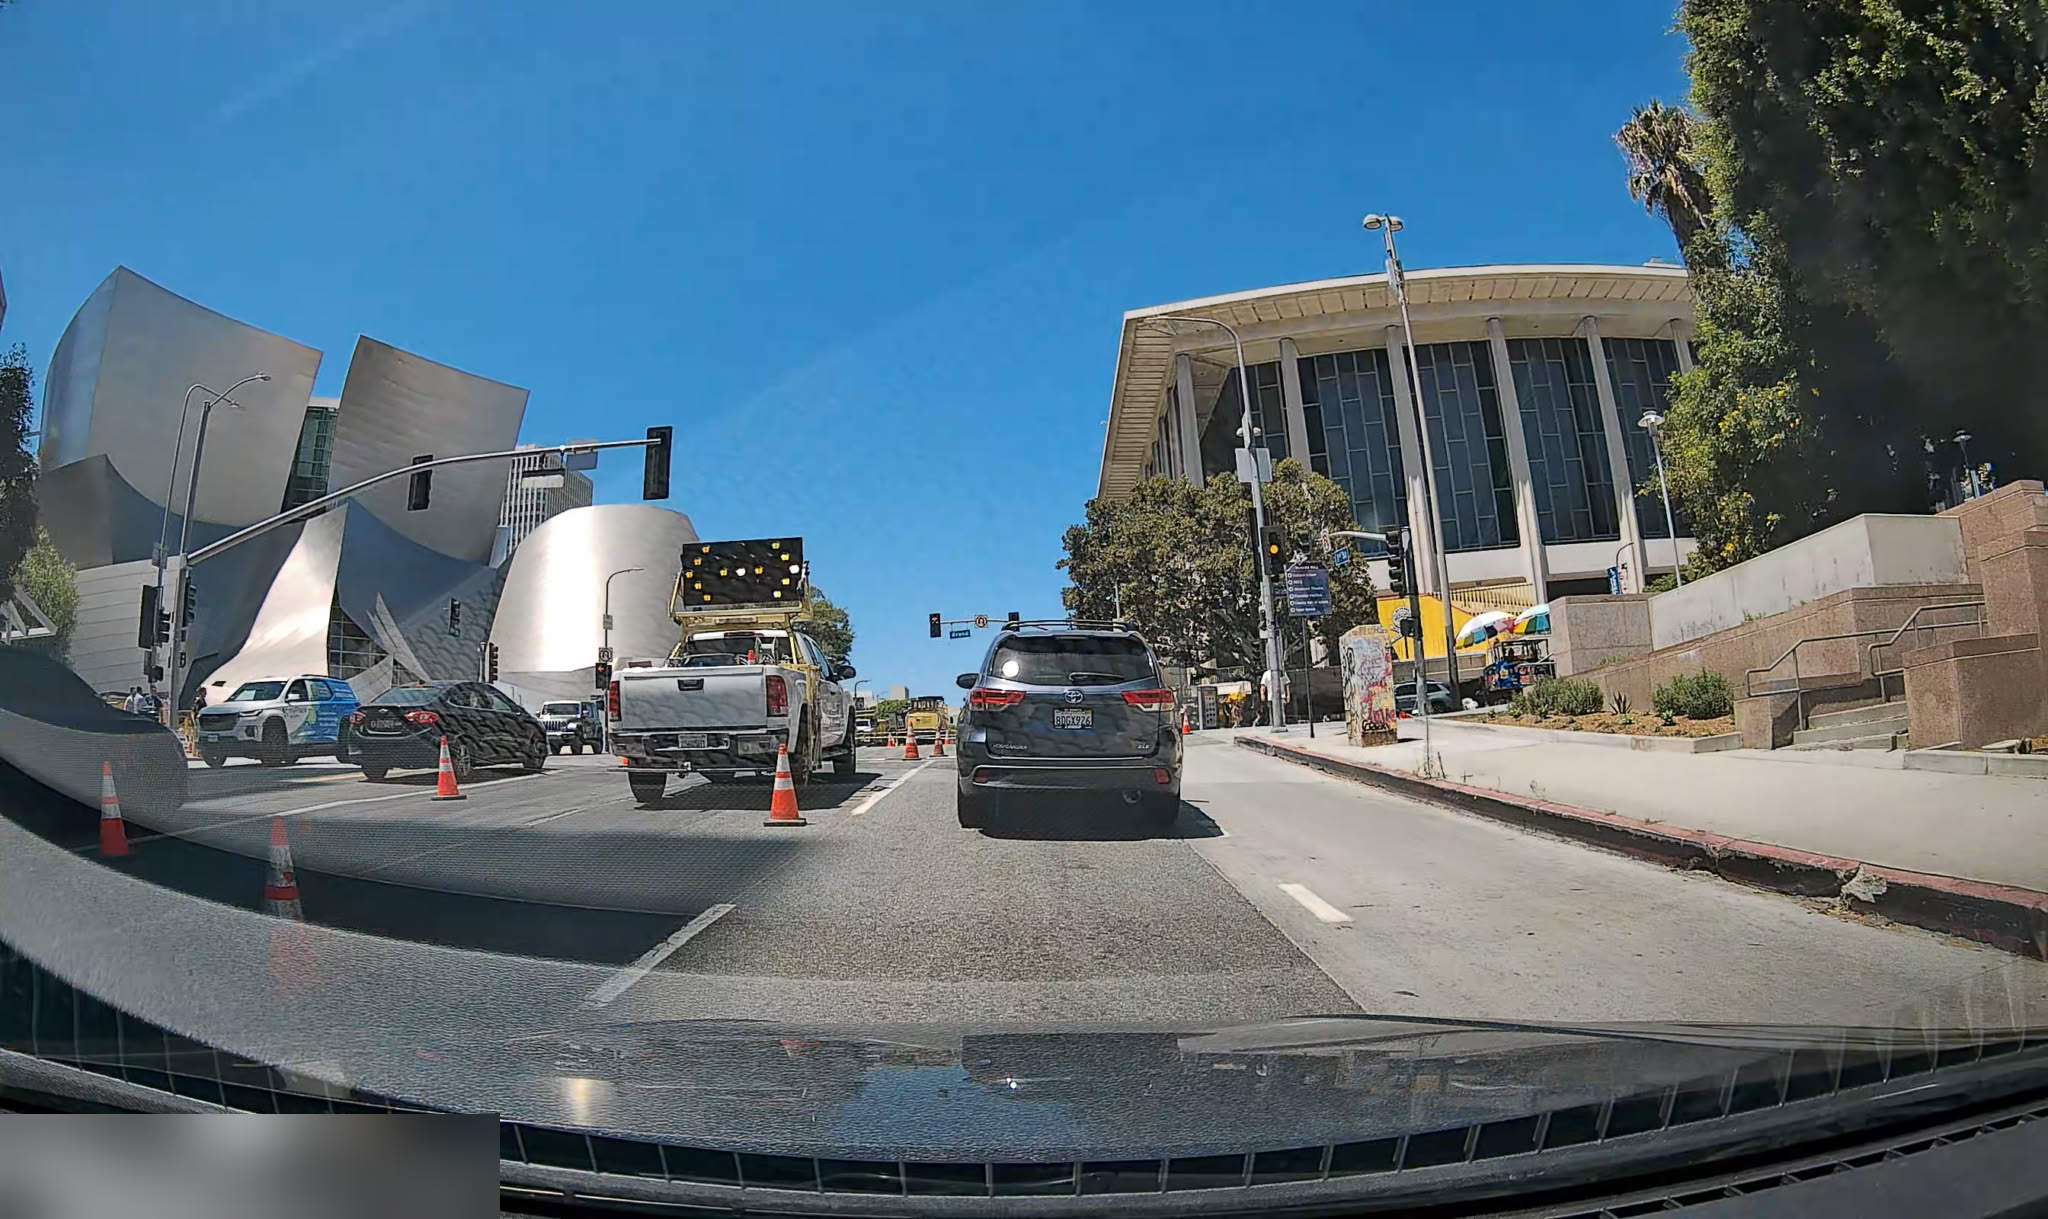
(1073, 660)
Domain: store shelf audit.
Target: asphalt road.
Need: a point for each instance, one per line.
(1278, 892)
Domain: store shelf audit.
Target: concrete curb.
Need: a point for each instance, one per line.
(1972, 762)
(2003, 916)
(1615, 740)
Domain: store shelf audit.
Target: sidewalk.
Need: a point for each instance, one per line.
(1966, 854)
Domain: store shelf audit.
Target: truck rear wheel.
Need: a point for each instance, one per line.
(647, 788)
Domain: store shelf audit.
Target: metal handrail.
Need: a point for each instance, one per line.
(1870, 653)
(1798, 688)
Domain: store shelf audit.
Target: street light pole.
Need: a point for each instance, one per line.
(1969, 472)
(1650, 422)
(1397, 282)
(608, 604)
(1273, 679)
(175, 667)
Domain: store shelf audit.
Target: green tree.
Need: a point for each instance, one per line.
(1893, 154)
(45, 577)
(830, 626)
(17, 464)
(887, 709)
(1178, 559)
(1666, 172)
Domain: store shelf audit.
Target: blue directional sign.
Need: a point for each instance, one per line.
(1308, 592)
(1340, 556)
(960, 632)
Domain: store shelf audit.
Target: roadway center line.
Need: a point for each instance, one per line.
(1315, 905)
(875, 799)
(621, 981)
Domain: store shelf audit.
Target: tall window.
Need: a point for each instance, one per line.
(1642, 370)
(1567, 445)
(1347, 399)
(308, 479)
(1269, 412)
(1461, 408)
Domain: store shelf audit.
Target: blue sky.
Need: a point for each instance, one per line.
(869, 259)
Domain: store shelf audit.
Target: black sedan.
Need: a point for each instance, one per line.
(404, 727)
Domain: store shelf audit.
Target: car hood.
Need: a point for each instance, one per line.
(950, 1093)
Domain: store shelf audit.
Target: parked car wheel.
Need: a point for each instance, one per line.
(973, 809)
(1158, 811)
(537, 760)
(460, 761)
(647, 789)
(374, 774)
(214, 758)
(274, 750)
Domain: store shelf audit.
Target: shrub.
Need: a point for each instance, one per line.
(1618, 703)
(1697, 696)
(1559, 696)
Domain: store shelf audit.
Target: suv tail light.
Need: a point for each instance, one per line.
(1150, 700)
(778, 694)
(422, 717)
(611, 702)
(987, 700)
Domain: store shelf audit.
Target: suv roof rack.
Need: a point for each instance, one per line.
(1069, 624)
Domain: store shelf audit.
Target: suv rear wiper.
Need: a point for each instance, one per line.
(1109, 679)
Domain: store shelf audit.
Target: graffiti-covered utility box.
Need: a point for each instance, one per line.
(1368, 661)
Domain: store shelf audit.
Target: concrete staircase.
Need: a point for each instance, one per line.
(1875, 726)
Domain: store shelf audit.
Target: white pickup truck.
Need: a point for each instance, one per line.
(724, 701)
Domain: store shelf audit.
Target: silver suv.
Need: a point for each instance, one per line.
(1059, 709)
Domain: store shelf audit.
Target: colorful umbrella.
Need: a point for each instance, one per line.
(1483, 626)
(1533, 621)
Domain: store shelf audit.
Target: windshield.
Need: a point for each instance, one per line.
(970, 601)
(1078, 660)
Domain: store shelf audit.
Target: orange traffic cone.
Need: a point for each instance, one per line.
(909, 744)
(113, 831)
(939, 745)
(444, 784)
(281, 887)
(782, 805)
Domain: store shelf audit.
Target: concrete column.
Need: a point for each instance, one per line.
(1617, 454)
(1190, 431)
(1527, 522)
(1290, 390)
(1681, 331)
(1414, 454)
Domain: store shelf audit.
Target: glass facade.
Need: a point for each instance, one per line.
(1269, 409)
(1560, 406)
(1461, 408)
(1641, 370)
(308, 480)
(1354, 437)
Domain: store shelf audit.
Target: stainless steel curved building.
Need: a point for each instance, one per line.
(550, 619)
(116, 388)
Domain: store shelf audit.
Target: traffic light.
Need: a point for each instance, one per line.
(421, 487)
(150, 631)
(491, 663)
(153, 671)
(936, 630)
(454, 615)
(188, 601)
(604, 673)
(1397, 562)
(1273, 551)
(654, 479)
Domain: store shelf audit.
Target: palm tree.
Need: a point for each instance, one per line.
(1662, 146)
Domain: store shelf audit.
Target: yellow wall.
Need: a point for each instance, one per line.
(1432, 628)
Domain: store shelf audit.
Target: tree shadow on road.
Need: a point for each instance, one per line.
(1095, 821)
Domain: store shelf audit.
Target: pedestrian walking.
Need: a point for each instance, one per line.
(199, 700)
(135, 705)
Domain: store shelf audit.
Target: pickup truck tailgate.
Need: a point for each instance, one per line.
(663, 700)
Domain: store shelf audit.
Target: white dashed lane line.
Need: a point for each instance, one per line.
(623, 980)
(1315, 905)
(875, 799)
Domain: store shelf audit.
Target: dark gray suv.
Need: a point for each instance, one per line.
(1073, 708)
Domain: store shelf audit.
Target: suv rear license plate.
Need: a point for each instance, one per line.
(693, 740)
(1073, 717)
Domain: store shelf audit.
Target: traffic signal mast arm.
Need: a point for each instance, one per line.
(315, 507)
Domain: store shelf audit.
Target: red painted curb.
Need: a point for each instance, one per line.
(2005, 916)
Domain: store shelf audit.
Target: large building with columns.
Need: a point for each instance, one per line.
(1532, 382)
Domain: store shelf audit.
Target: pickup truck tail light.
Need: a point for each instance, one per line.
(984, 699)
(1150, 700)
(611, 702)
(778, 694)
(422, 717)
